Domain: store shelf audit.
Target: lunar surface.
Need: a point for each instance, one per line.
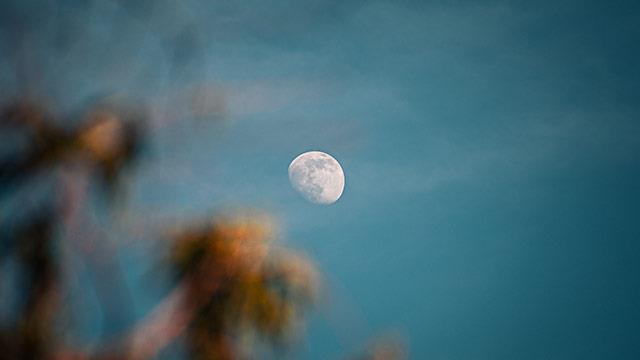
(317, 176)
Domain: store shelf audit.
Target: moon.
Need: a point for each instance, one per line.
(317, 176)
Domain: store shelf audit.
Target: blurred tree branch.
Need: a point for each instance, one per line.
(231, 281)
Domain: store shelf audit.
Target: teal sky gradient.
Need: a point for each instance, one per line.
(491, 152)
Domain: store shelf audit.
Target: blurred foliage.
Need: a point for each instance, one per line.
(108, 140)
(385, 348)
(238, 286)
(244, 284)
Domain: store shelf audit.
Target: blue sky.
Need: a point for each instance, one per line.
(491, 152)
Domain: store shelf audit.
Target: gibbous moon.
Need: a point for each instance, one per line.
(317, 176)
